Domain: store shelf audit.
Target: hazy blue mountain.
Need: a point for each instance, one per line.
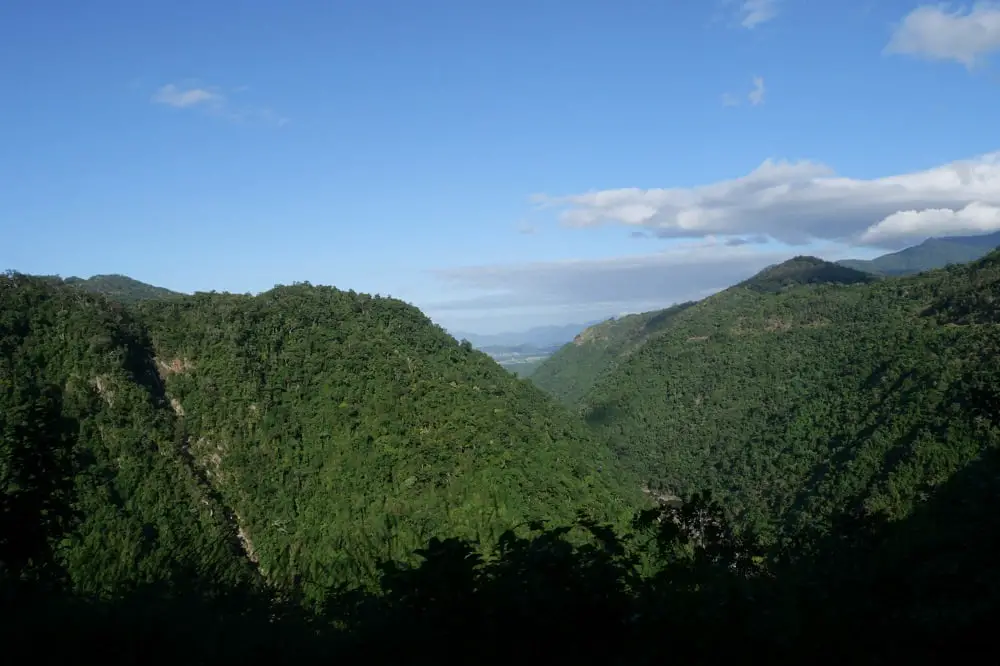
(932, 253)
(538, 337)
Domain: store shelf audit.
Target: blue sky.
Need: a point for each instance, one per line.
(499, 164)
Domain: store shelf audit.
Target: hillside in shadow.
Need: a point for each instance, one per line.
(679, 587)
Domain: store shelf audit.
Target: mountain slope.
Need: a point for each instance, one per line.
(794, 406)
(80, 401)
(120, 288)
(572, 371)
(94, 482)
(803, 270)
(931, 254)
(345, 429)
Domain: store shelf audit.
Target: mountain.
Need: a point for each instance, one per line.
(318, 476)
(336, 429)
(538, 337)
(120, 288)
(794, 404)
(932, 253)
(803, 270)
(343, 429)
(97, 485)
(572, 370)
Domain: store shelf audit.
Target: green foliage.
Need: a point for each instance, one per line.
(120, 288)
(344, 429)
(803, 270)
(572, 371)
(310, 431)
(849, 430)
(678, 586)
(94, 483)
(793, 406)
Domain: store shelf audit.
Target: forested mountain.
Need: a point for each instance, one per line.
(312, 475)
(803, 270)
(120, 288)
(792, 406)
(344, 429)
(571, 372)
(94, 471)
(932, 253)
(337, 429)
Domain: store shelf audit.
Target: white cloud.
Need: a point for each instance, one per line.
(215, 102)
(963, 35)
(973, 219)
(181, 98)
(756, 96)
(600, 287)
(755, 12)
(798, 202)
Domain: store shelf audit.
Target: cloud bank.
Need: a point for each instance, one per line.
(586, 289)
(964, 35)
(721, 233)
(801, 202)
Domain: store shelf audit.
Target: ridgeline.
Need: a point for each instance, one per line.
(313, 475)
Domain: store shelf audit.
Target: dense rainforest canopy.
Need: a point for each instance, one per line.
(572, 371)
(120, 288)
(337, 429)
(791, 405)
(316, 475)
(343, 429)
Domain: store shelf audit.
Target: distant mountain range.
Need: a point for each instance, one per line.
(805, 463)
(932, 253)
(538, 337)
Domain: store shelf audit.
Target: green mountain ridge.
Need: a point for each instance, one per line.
(571, 372)
(337, 429)
(121, 288)
(791, 406)
(318, 475)
(77, 377)
(803, 270)
(933, 253)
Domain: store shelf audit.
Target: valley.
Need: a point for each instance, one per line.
(522, 360)
(499, 333)
(308, 445)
